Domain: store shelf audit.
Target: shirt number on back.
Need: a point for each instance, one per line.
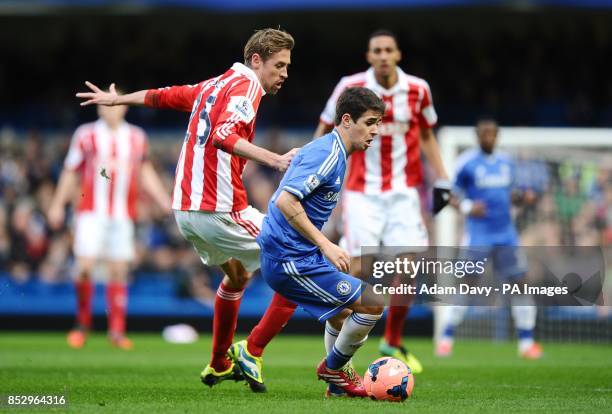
(203, 131)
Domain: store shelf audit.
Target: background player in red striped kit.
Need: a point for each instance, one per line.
(209, 198)
(381, 203)
(109, 157)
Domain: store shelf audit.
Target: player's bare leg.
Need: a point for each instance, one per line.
(116, 304)
(225, 318)
(84, 287)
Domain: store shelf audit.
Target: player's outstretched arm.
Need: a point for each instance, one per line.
(245, 149)
(111, 98)
(294, 213)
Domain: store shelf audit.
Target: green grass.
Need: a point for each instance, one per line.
(160, 377)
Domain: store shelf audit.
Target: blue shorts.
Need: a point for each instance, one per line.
(508, 262)
(312, 283)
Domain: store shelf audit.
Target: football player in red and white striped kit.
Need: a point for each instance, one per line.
(381, 205)
(209, 199)
(109, 157)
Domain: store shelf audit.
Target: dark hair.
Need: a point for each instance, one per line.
(383, 32)
(267, 42)
(486, 119)
(357, 101)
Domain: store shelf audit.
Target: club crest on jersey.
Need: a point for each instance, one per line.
(312, 182)
(343, 287)
(241, 106)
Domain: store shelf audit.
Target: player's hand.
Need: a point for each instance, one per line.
(283, 161)
(337, 256)
(97, 96)
(479, 209)
(55, 216)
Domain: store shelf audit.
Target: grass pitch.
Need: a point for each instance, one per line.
(161, 377)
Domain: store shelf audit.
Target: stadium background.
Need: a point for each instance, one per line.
(528, 63)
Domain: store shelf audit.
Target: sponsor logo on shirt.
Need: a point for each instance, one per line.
(332, 196)
(486, 179)
(393, 128)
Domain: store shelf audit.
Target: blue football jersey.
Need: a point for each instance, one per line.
(315, 177)
(488, 178)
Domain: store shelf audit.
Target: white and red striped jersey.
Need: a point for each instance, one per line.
(393, 161)
(223, 110)
(108, 162)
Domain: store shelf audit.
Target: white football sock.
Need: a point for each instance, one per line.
(453, 316)
(354, 332)
(331, 334)
(524, 313)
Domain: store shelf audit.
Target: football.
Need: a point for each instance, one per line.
(388, 379)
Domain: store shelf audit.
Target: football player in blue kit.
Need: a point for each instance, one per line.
(484, 192)
(300, 263)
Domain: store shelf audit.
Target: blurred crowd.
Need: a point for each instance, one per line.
(30, 166)
(536, 67)
(30, 251)
(573, 206)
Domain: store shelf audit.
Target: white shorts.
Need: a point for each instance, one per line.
(103, 237)
(390, 219)
(218, 237)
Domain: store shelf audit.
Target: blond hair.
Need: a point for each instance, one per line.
(267, 42)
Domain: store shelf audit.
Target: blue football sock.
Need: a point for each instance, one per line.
(336, 359)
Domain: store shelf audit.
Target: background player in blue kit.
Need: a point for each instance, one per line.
(484, 192)
(300, 263)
